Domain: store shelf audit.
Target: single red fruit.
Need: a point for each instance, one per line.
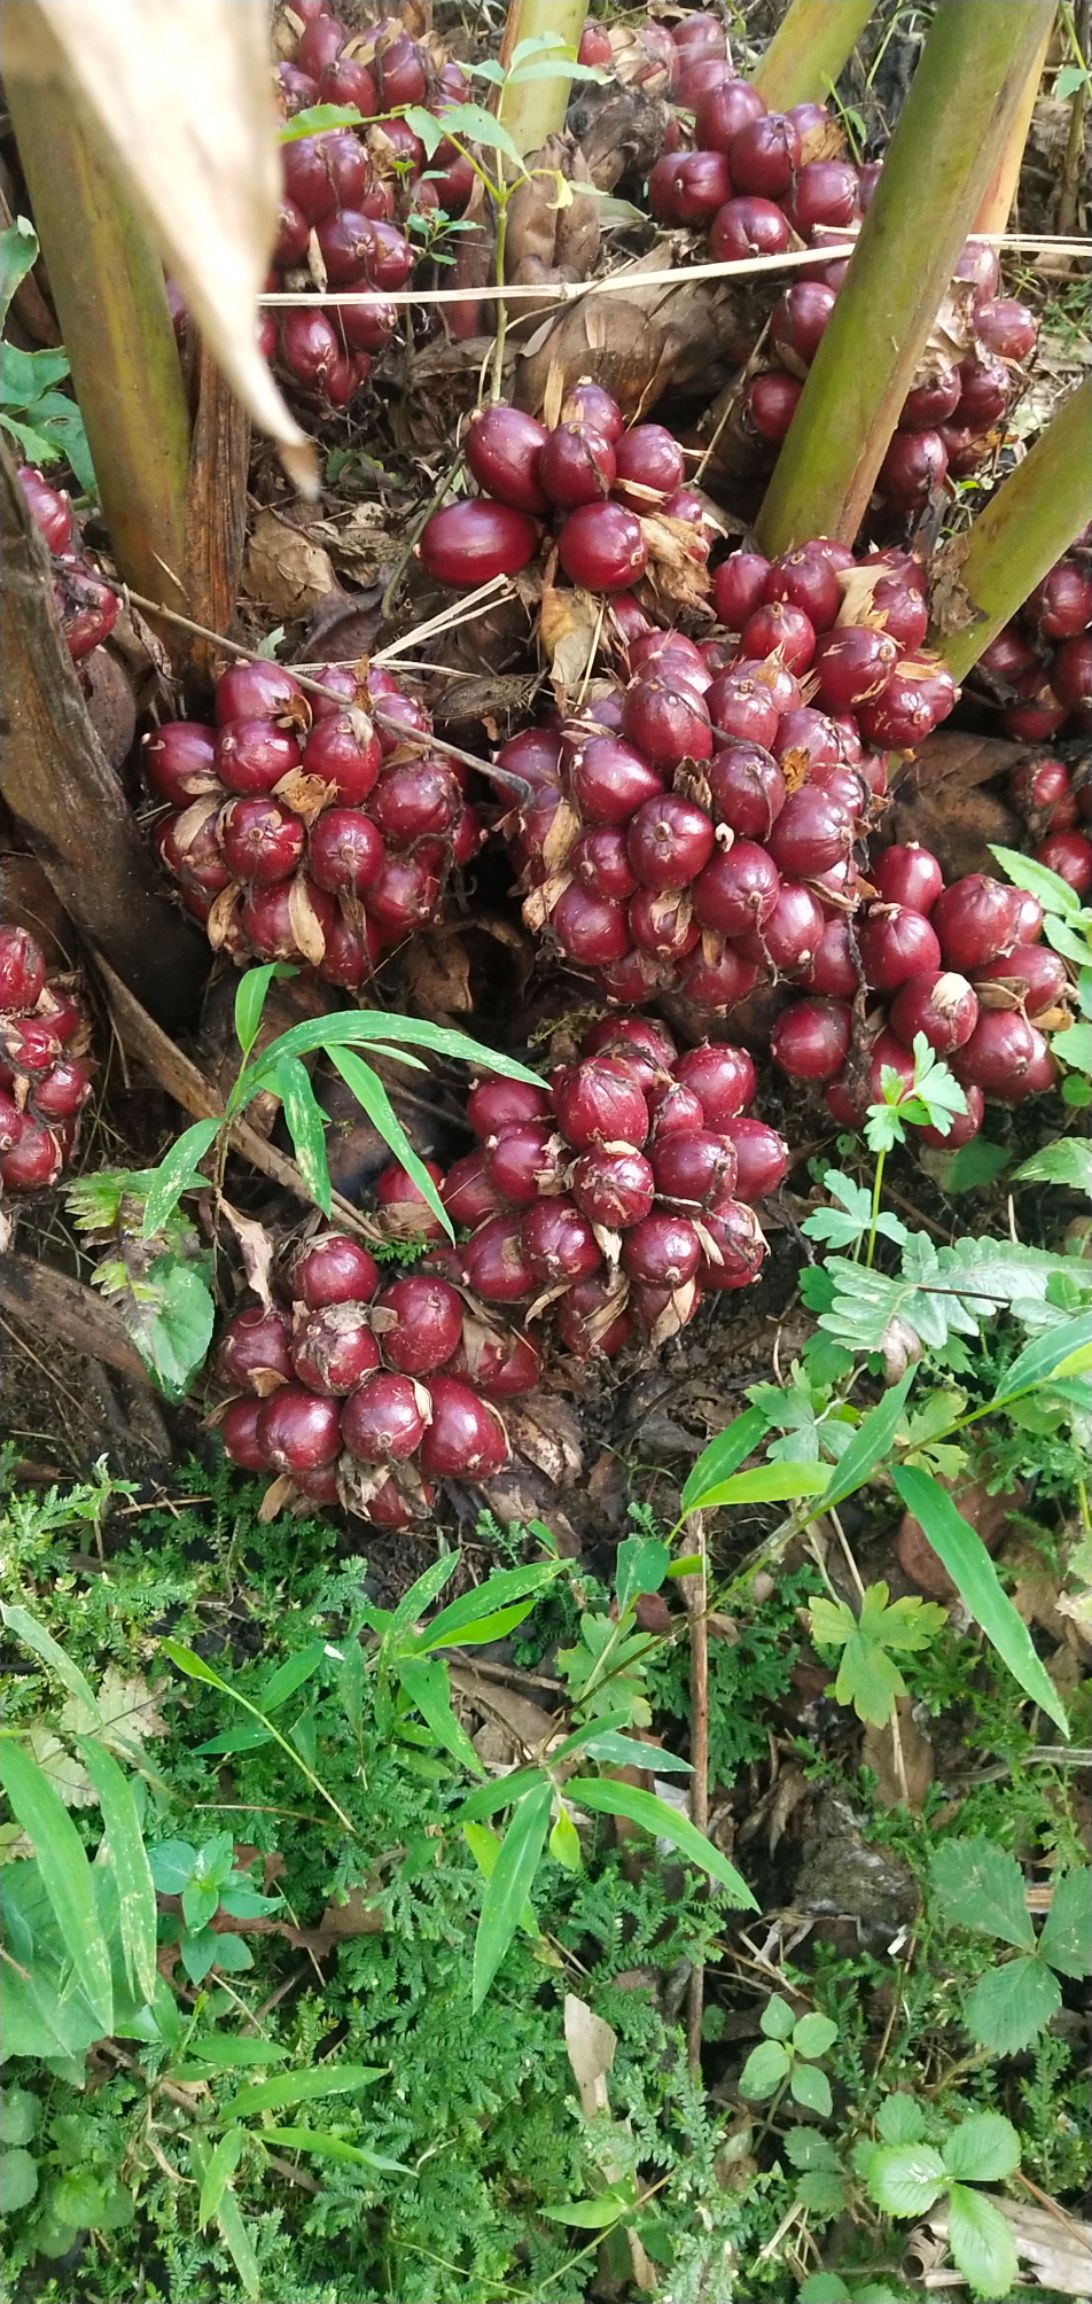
(523, 1162)
(812, 833)
(239, 1433)
(662, 1251)
(721, 1076)
(466, 1439)
(497, 1104)
(738, 587)
(496, 1264)
(696, 1171)
(401, 1207)
(590, 930)
(770, 403)
(762, 1157)
(344, 851)
(998, 1055)
(602, 547)
(964, 1125)
(333, 1269)
(609, 780)
(588, 404)
(745, 228)
(1069, 854)
(738, 1248)
(940, 1004)
(614, 1188)
(22, 970)
(468, 543)
(810, 1040)
(895, 944)
(650, 465)
(738, 889)
(299, 1430)
(976, 921)
(835, 969)
(384, 1421)
(1034, 973)
(428, 1323)
(179, 758)
(908, 875)
(253, 755)
(724, 110)
(577, 466)
(334, 1349)
(598, 1102)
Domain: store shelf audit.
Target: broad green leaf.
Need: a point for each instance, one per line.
(767, 1484)
(251, 994)
(489, 1797)
(25, 1627)
(497, 1592)
(565, 1842)
(641, 1564)
(900, 2119)
(764, 2070)
(373, 1099)
(318, 119)
(222, 2163)
(1068, 1161)
(226, 2053)
(507, 1889)
(194, 1666)
(132, 1871)
(18, 256)
(976, 1580)
(1066, 1940)
(777, 2019)
(724, 1455)
(592, 2215)
(425, 1681)
(1009, 2006)
(1071, 945)
(979, 1885)
(26, 377)
(174, 1339)
(972, 1165)
(333, 2148)
(485, 1629)
(20, 2115)
(1049, 889)
(809, 2086)
(814, 2034)
(18, 2180)
(420, 1596)
(425, 126)
(291, 1675)
(870, 1446)
(615, 1751)
(477, 126)
(306, 1125)
(1049, 1355)
(237, 2239)
(65, 1874)
(984, 2148)
(824, 2288)
(484, 1845)
(905, 2179)
(655, 1816)
(177, 1173)
(362, 1027)
(982, 2244)
(301, 2088)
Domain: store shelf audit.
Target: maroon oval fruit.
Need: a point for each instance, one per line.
(591, 1318)
(609, 780)
(738, 889)
(1042, 789)
(34, 1161)
(577, 466)
(49, 508)
(799, 321)
(345, 851)
(745, 228)
(721, 1076)
(597, 1102)
(824, 192)
(1033, 973)
(1069, 854)
(404, 893)
(811, 833)
(22, 970)
(737, 1247)
(743, 710)
(852, 665)
(678, 1110)
(791, 936)
(666, 721)
(663, 926)
(747, 789)
(810, 1040)
(416, 800)
(254, 1348)
(427, 1323)
(1009, 659)
(650, 465)
(738, 586)
(915, 463)
(766, 155)
(644, 1046)
(1005, 327)
(699, 185)
(504, 449)
(496, 1264)
(895, 944)
(466, 1439)
(909, 875)
(589, 929)
(179, 758)
(1061, 606)
(834, 969)
(602, 547)
(63, 1091)
(559, 1243)
(998, 1055)
(259, 840)
(976, 920)
(1071, 675)
(770, 403)
(697, 1171)
(333, 1269)
(762, 1156)
(401, 1207)
(932, 401)
(239, 1434)
(523, 1162)
(807, 581)
(668, 842)
(724, 110)
(466, 1192)
(662, 1251)
(334, 1349)
(902, 609)
(471, 542)
(298, 1430)
(986, 388)
(614, 1188)
(600, 861)
(940, 1004)
(777, 627)
(497, 1104)
(501, 1367)
(253, 755)
(384, 1421)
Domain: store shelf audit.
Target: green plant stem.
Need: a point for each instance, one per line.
(532, 110)
(501, 330)
(813, 41)
(982, 577)
(111, 299)
(968, 85)
(877, 1187)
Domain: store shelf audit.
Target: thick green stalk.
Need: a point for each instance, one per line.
(532, 110)
(809, 49)
(966, 91)
(997, 201)
(982, 577)
(111, 301)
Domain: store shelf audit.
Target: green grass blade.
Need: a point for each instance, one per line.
(976, 1580)
(65, 1874)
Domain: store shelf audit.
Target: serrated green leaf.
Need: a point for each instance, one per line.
(655, 1816)
(777, 2019)
(1048, 888)
(900, 2119)
(1009, 2006)
(507, 1890)
(764, 2071)
(1067, 1161)
(1066, 1940)
(976, 1580)
(981, 1886)
(982, 2243)
(905, 2179)
(18, 2180)
(984, 2148)
(64, 1872)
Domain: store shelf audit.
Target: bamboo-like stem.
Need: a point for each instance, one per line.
(982, 577)
(532, 110)
(111, 301)
(812, 43)
(996, 206)
(970, 80)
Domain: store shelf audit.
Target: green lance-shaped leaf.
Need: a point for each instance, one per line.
(509, 1884)
(65, 1874)
(813, 41)
(976, 1580)
(132, 1871)
(965, 91)
(25, 1627)
(982, 576)
(665, 1823)
(305, 2087)
(724, 1455)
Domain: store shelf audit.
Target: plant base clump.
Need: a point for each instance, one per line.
(696, 833)
(44, 1084)
(1040, 665)
(614, 1196)
(86, 607)
(359, 1393)
(314, 829)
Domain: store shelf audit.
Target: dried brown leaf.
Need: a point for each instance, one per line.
(286, 571)
(305, 923)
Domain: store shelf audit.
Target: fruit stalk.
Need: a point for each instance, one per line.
(111, 301)
(532, 110)
(1024, 530)
(809, 49)
(966, 91)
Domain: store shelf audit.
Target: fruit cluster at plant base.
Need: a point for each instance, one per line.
(615, 1194)
(86, 607)
(346, 192)
(1040, 665)
(305, 828)
(1055, 802)
(695, 834)
(612, 490)
(362, 1392)
(961, 964)
(44, 1085)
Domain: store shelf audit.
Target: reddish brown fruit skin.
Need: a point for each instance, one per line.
(940, 1004)
(299, 1431)
(467, 1193)
(598, 1102)
(998, 1055)
(497, 1104)
(663, 1251)
(402, 1208)
(602, 547)
(908, 874)
(496, 1264)
(895, 944)
(737, 890)
(523, 1162)
(964, 1125)
(738, 586)
(429, 1323)
(615, 1189)
(22, 971)
(762, 1157)
(254, 1342)
(332, 1352)
(577, 466)
(239, 1434)
(580, 1330)
(697, 1171)
(466, 1439)
(504, 451)
(384, 1420)
(721, 1076)
(738, 1236)
(976, 920)
(468, 543)
(1069, 854)
(1034, 973)
(559, 1243)
(810, 1040)
(334, 1270)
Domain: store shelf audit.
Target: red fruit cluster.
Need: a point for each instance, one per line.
(760, 182)
(597, 478)
(346, 193)
(87, 608)
(362, 1393)
(1053, 802)
(658, 61)
(617, 1192)
(314, 829)
(43, 1084)
(1041, 664)
(961, 964)
(696, 835)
